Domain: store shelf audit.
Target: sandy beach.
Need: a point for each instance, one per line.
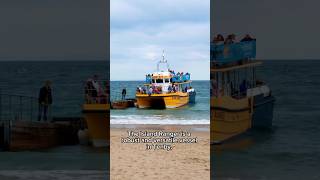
(185, 161)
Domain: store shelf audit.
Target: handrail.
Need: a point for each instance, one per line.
(18, 107)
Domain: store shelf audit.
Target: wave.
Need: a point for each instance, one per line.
(155, 119)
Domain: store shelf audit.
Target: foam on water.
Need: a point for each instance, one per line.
(154, 119)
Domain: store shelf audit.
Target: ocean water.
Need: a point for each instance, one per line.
(198, 113)
(291, 150)
(26, 78)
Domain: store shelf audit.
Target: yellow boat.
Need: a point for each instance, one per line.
(170, 100)
(239, 102)
(96, 111)
(165, 89)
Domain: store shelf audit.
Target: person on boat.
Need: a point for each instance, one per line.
(190, 89)
(186, 89)
(97, 89)
(243, 88)
(148, 78)
(45, 99)
(138, 90)
(230, 39)
(150, 91)
(103, 94)
(174, 88)
(155, 90)
(124, 93)
(144, 91)
(218, 40)
(170, 88)
(90, 91)
(247, 38)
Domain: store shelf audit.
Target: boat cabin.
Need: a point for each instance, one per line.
(168, 81)
(233, 71)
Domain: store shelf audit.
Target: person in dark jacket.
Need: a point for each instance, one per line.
(124, 93)
(45, 99)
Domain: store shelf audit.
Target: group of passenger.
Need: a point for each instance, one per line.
(95, 92)
(172, 88)
(150, 90)
(158, 89)
(180, 76)
(179, 73)
(230, 39)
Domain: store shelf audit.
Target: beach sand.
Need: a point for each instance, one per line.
(184, 161)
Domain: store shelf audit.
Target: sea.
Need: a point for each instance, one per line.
(197, 113)
(291, 149)
(25, 78)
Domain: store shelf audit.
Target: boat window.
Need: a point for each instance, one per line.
(153, 81)
(159, 80)
(167, 80)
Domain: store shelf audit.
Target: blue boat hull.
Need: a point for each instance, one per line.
(263, 111)
(192, 97)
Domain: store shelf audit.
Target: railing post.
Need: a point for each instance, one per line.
(1, 105)
(20, 99)
(31, 109)
(10, 108)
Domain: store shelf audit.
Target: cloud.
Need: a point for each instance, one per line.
(140, 30)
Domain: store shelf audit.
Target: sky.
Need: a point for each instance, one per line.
(142, 29)
(54, 30)
(284, 29)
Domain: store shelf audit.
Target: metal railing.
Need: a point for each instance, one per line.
(18, 107)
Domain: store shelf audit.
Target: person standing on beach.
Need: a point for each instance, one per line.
(45, 99)
(124, 93)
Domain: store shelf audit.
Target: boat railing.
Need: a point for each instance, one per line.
(14, 107)
(96, 92)
(234, 91)
(228, 53)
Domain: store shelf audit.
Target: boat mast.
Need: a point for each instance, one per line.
(164, 61)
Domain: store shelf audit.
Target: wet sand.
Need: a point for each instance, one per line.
(184, 161)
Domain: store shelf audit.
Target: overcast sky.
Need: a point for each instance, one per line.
(141, 29)
(53, 30)
(285, 29)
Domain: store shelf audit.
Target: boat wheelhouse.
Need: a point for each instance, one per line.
(239, 101)
(165, 89)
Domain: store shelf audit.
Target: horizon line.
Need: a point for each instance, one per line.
(50, 60)
(144, 80)
(39, 60)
